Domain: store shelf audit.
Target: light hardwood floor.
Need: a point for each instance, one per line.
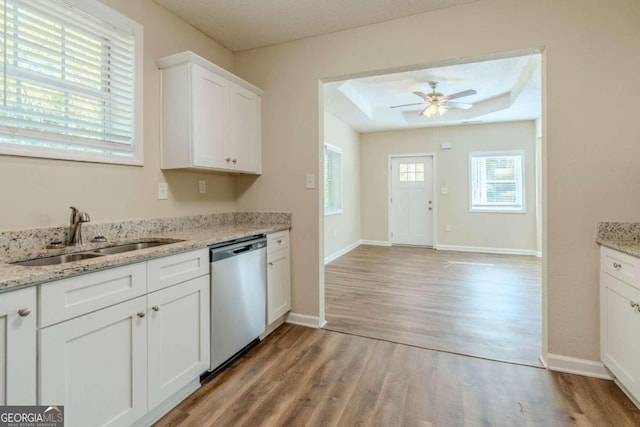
(475, 304)
(312, 377)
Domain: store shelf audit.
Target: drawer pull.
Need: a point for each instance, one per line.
(279, 241)
(24, 312)
(141, 314)
(633, 304)
(270, 264)
(155, 308)
(617, 266)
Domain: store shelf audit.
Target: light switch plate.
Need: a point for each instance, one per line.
(310, 183)
(163, 191)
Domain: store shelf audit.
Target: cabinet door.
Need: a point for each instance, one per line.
(178, 337)
(96, 366)
(18, 347)
(244, 129)
(620, 328)
(209, 115)
(278, 285)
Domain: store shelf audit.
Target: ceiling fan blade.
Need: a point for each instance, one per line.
(461, 94)
(458, 105)
(421, 95)
(406, 105)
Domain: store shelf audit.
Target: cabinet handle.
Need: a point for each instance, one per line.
(155, 308)
(617, 266)
(141, 314)
(235, 161)
(633, 304)
(228, 159)
(271, 264)
(279, 240)
(24, 312)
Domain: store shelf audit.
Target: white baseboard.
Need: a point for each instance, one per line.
(375, 242)
(572, 365)
(341, 252)
(484, 250)
(305, 320)
(539, 254)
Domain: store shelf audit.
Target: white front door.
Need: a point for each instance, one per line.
(412, 201)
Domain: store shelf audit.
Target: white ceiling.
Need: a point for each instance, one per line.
(507, 90)
(247, 24)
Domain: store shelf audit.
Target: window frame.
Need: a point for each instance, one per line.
(101, 12)
(328, 211)
(522, 183)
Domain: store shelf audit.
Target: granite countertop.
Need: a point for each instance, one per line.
(195, 235)
(621, 236)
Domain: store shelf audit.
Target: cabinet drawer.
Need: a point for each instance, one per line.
(277, 241)
(68, 298)
(621, 266)
(167, 271)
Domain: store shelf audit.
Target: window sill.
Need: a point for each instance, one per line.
(505, 211)
(332, 212)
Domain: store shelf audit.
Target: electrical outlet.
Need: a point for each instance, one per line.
(202, 186)
(310, 182)
(447, 227)
(163, 191)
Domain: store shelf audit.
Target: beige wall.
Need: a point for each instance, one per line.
(478, 229)
(38, 192)
(591, 51)
(343, 229)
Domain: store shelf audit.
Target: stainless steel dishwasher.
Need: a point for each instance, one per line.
(238, 296)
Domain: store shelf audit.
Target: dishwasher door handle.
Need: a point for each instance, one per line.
(243, 249)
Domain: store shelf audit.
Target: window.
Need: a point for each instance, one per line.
(332, 180)
(496, 182)
(411, 172)
(70, 81)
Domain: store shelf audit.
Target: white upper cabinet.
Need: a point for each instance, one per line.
(210, 118)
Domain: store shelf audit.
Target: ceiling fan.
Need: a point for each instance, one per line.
(438, 103)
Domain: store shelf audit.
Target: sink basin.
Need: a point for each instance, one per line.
(128, 247)
(60, 259)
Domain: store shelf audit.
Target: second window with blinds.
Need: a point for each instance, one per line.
(496, 181)
(332, 180)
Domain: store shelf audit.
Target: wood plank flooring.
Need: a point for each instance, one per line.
(311, 377)
(476, 304)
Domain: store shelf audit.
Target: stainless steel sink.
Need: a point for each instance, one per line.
(128, 247)
(60, 259)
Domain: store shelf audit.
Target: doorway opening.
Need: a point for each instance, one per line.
(442, 245)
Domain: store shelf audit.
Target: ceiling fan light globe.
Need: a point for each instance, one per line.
(442, 109)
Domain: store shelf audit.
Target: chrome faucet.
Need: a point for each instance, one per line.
(75, 226)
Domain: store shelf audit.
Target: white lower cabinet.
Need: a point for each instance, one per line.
(96, 366)
(278, 276)
(620, 318)
(18, 347)
(178, 337)
(115, 364)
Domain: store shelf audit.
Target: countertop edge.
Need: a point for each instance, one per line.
(14, 277)
(626, 246)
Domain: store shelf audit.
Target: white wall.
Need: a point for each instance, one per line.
(38, 192)
(511, 231)
(343, 230)
(591, 51)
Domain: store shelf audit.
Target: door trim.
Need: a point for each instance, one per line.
(433, 185)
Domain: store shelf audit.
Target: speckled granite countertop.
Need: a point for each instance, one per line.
(621, 236)
(194, 232)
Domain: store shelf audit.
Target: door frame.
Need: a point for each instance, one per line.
(433, 185)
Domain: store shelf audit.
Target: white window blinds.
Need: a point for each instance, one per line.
(332, 179)
(497, 182)
(68, 82)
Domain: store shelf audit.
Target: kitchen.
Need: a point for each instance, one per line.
(37, 192)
